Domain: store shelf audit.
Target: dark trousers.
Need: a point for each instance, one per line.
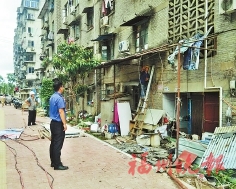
(57, 140)
(31, 117)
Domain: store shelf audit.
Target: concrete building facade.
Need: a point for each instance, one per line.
(126, 35)
(27, 47)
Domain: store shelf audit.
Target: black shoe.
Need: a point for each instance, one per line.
(52, 164)
(61, 167)
(34, 124)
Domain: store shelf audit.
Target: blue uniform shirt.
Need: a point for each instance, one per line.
(56, 102)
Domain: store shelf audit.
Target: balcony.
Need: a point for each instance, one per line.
(31, 76)
(63, 29)
(73, 20)
(30, 49)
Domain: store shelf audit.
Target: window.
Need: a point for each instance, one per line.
(90, 19)
(53, 25)
(106, 50)
(30, 43)
(51, 5)
(30, 30)
(31, 4)
(29, 57)
(30, 16)
(141, 37)
(27, 4)
(30, 69)
(90, 97)
(77, 31)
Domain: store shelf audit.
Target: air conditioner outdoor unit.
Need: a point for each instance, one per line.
(105, 20)
(32, 48)
(227, 6)
(72, 10)
(124, 46)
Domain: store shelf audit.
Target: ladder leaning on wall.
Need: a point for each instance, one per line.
(141, 110)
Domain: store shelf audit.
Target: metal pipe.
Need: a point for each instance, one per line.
(178, 105)
(170, 173)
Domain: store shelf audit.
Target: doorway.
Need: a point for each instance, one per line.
(199, 112)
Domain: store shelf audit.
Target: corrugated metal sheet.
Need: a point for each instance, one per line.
(225, 129)
(223, 143)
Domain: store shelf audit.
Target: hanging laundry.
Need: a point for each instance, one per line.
(109, 4)
(191, 55)
(104, 11)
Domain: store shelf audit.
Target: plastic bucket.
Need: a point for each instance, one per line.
(112, 128)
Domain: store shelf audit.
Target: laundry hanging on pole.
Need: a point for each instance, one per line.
(191, 50)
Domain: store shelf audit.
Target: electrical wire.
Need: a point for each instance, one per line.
(36, 158)
(13, 151)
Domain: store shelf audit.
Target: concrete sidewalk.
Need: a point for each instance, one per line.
(93, 164)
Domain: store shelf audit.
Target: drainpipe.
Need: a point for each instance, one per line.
(95, 52)
(205, 74)
(94, 28)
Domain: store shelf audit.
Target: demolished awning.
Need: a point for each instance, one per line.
(135, 20)
(104, 37)
(140, 17)
(87, 9)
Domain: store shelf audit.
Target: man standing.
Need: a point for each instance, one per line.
(31, 101)
(144, 79)
(58, 126)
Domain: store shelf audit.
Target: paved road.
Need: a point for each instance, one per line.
(93, 164)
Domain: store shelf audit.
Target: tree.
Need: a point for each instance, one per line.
(11, 78)
(7, 87)
(46, 92)
(72, 64)
(11, 82)
(1, 79)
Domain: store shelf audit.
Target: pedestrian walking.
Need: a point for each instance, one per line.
(32, 104)
(58, 126)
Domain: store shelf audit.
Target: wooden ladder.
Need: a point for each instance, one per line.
(141, 110)
(139, 120)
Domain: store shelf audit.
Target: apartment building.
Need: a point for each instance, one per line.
(27, 47)
(128, 34)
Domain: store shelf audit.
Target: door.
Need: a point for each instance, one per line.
(196, 113)
(211, 111)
